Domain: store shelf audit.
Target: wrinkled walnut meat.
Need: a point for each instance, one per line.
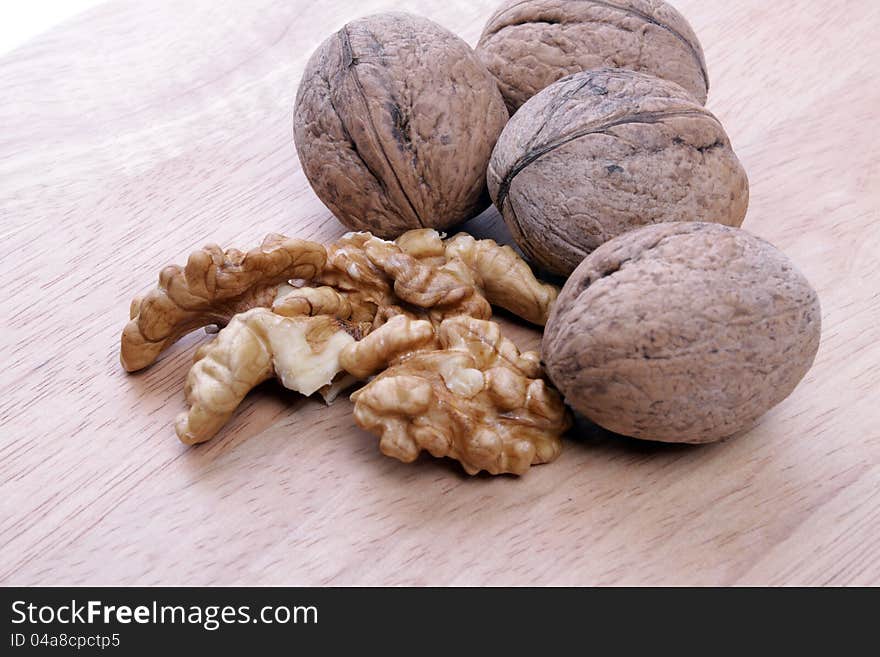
(303, 352)
(359, 278)
(504, 277)
(350, 271)
(211, 289)
(475, 399)
(321, 318)
(398, 337)
(461, 276)
(442, 291)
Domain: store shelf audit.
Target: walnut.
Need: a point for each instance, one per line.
(394, 122)
(351, 272)
(324, 300)
(294, 309)
(461, 276)
(529, 44)
(600, 153)
(436, 278)
(682, 332)
(211, 289)
(398, 337)
(425, 244)
(349, 269)
(503, 277)
(484, 340)
(476, 399)
(444, 290)
(303, 352)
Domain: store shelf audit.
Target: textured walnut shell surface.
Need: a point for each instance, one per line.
(529, 45)
(682, 332)
(394, 123)
(603, 152)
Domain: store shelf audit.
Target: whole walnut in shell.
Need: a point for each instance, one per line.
(394, 123)
(529, 45)
(600, 153)
(681, 332)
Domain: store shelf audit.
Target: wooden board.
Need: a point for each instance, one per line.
(141, 130)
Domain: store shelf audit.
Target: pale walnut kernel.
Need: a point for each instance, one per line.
(504, 278)
(212, 287)
(399, 336)
(324, 300)
(303, 352)
(445, 290)
(426, 244)
(474, 400)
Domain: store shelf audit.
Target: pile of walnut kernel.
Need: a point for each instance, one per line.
(411, 317)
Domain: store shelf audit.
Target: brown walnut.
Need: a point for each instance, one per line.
(528, 45)
(681, 332)
(469, 394)
(302, 351)
(394, 123)
(213, 287)
(600, 153)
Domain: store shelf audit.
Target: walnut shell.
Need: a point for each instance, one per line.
(602, 152)
(529, 45)
(394, 123)
(681, 332)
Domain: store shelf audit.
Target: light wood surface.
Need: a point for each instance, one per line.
(141, 130)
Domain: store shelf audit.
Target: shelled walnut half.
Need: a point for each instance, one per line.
(476, 399)
(303, 352)
(214, 286)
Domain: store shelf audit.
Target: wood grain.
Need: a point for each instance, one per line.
(139, 131)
